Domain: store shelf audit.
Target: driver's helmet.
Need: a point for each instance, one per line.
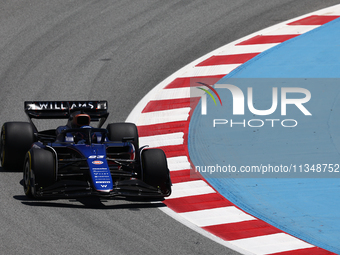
(79, 120)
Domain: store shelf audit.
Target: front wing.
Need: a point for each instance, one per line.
(125, 188)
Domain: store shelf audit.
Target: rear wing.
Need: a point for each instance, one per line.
(63, 109)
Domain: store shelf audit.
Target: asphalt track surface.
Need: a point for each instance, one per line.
(115, 51)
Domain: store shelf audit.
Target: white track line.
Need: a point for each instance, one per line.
(216, 216)
(158, 117)
(178, 163)
(192, 188)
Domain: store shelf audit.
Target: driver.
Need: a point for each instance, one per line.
(80, 120)
(76, 120)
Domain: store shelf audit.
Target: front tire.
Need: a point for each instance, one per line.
(155, 170)
(16, 139)
(39, 171)
(118, 131)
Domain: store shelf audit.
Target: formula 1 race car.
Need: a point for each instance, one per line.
(78, 159)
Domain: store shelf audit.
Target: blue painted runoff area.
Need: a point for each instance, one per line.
(295, 144)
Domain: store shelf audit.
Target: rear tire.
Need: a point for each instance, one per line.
(16, 139)
(39, 171)
(155, 170)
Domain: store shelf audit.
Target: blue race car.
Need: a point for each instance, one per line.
(80, 160)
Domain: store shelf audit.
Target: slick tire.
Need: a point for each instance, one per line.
(39, 171)
(118, 131)
(16, 139)
(155, 170)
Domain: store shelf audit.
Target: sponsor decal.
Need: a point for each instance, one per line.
(95, 169)
(97, 162)
(65, 105)
(95, 156)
